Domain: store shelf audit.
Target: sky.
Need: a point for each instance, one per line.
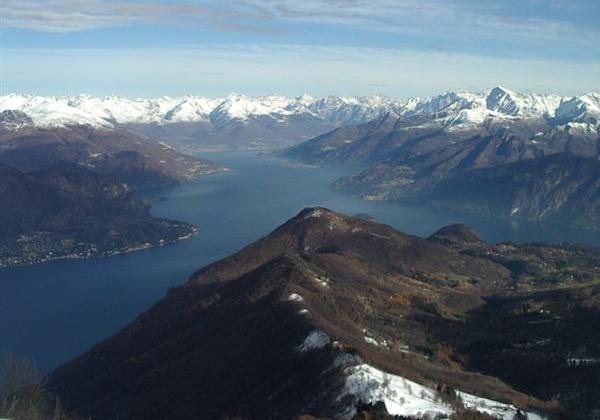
(257, 47)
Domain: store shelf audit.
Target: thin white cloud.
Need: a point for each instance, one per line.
(426, 17)
(83, 15)
(432, 19)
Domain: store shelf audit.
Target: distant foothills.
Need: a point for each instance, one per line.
(499, 153)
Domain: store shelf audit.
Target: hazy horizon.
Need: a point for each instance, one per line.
(294, 96)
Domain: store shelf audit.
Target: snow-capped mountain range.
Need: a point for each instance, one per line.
(455, 110)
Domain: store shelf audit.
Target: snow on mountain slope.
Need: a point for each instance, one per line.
(507, 102)
(581, 109)
(192, 108)
(402, 397)
(465, 110)
(241, 107)
(55, 111)
(352, 109)
(456, 110)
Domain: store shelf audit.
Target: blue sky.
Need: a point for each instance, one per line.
(212, 48)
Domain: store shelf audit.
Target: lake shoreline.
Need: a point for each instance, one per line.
(54, 311)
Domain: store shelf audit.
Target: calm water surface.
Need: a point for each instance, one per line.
(55, 311)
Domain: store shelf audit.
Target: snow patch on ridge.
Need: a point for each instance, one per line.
(315, 213)
(295, 297)
(493, 408)
(322, 281)
(371, 341)
(366, 384)
(369, 385)
(314, 340)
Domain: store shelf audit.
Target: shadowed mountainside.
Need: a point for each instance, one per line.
(68, 211)
(301, 321)
(140, 162)
(400, 158)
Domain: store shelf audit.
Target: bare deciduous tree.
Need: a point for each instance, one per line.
(22, 393)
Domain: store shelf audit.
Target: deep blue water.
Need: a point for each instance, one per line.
(55, 311)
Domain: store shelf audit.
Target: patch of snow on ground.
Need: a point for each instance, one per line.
(323, 281)
(295, 297)
(314, 340)
(315, 213)
(493, 408)
(303, 311)
(367, 384)
(575, 361)
(371, 341)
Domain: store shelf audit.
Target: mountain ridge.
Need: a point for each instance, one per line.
(468, 107)
(416, 156)
(329, 312)
(141, 162)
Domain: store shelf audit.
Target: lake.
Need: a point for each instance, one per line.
(54, 311)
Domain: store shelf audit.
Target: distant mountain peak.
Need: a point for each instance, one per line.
(501, 89)
(505, 101)
(14, 119)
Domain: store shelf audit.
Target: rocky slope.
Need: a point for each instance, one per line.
(557, 188)
(68, 191)
(195, 123)
(69, 211)
(420, 156)
(330, 314)
(139, 161)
